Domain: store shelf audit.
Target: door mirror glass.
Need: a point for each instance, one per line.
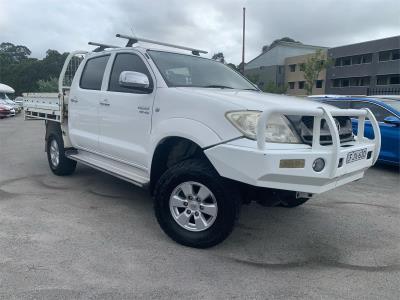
(392, 120)
(133, 79)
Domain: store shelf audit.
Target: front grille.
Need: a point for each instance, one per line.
(304, 127)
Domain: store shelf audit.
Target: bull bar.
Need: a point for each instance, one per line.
(319, 114)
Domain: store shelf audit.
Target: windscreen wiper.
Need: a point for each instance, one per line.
(218, 86)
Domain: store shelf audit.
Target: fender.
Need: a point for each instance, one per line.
(190, 129)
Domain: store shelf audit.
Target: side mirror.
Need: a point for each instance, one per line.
(392, 120)
(132, 79)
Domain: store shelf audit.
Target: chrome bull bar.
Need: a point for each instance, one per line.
(319, 114)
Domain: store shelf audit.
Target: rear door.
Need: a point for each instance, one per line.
(83, 104)
(389, 133)
(125, 116)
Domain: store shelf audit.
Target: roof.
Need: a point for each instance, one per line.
(370, 41)
(288, 44)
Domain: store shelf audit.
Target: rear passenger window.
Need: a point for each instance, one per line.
(127, 62)
(92, 75)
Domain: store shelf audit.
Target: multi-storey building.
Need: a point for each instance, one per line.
(294, 76)
(269, 66)
(371, 67)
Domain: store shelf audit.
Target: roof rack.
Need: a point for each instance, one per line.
(101, 46)
(133, 40)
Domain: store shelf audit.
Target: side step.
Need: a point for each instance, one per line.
(123, 171)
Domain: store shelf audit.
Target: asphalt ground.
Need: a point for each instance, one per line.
(93, 236)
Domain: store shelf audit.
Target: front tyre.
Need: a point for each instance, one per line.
(59, 164)
(194, 205)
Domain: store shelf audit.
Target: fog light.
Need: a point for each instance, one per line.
(318, 165)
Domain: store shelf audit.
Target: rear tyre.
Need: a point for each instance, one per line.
(194, 205)
(59, 164)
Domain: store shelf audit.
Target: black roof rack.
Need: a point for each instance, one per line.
(133, 40)
(101, 46)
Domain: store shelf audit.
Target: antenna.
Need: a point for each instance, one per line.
(133, 40)
(101, 46)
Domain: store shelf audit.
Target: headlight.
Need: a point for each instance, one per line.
(278, 129)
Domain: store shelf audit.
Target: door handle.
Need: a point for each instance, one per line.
(104, 102)
(73, 100)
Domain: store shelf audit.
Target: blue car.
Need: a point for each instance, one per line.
(386, 110)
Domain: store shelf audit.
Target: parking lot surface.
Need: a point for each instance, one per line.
(91, 235)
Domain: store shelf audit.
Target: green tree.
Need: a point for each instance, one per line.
(233, 66)
(265, 48)
(219, 56)
(313, 66)
(48, 86)
(23, 73)
(272, 87)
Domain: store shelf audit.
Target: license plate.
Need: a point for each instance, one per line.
(356, 155)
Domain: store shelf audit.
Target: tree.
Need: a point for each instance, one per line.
(265, 48)
(313, 67)
(231, 65)
(219, 56)
(271, 86)
(24, 73)
(48, 86)
(14, 53)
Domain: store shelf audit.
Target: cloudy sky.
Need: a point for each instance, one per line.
(213, 25)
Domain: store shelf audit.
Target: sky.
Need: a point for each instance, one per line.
(212, 25)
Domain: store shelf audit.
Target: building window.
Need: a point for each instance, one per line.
(336, 83)
(302, 67)
(353, 60)
(388, 79)
(346, 61)
(291, 85)
(365, 81)
(301, 85)
(389, 55)
(356, 60)
(318, 84)
(381, 80)
(394, 79)
(396, 54)
(366, 58)
(292, 68)
(352, 81)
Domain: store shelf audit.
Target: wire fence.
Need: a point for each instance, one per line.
(383, 91)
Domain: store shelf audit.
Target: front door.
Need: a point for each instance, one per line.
(125, 113)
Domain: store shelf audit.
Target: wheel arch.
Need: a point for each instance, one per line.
(170, 151)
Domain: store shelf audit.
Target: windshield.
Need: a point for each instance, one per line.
(185, 70)
(393, 103)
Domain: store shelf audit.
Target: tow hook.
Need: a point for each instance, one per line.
(303, 195)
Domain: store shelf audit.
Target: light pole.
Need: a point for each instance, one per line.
(244, 27)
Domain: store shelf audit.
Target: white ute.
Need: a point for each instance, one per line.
(197, 134)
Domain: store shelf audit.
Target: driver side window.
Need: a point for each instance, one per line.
(127, 62)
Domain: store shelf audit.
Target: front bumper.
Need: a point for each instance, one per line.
(241, 160)
(259, 164)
